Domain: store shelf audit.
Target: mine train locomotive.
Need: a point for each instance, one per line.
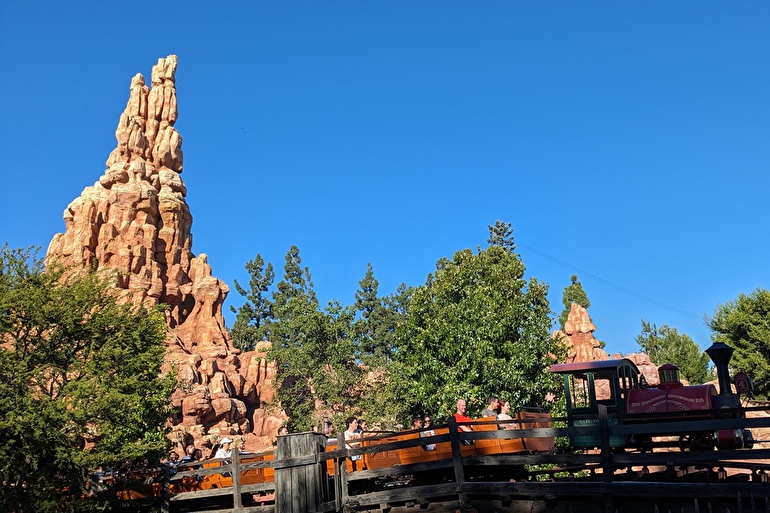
(619, 386)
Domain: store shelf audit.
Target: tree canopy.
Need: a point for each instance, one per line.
(78, 369)
(501, 234)
(252, 317)
(744, 324)
(573, 293)
(667, 345)
(476, 329)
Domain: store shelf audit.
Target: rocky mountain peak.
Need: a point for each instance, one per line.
(134, 220)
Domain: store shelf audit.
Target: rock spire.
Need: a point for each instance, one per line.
(135, 220)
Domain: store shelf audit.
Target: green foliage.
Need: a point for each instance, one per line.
(744, 324)
(375, 330)
(376, 321)
(475, 329)
(76, 365)
(251, 318)
(501, 234)
(314, 349)
(573, 293)
(666, 345)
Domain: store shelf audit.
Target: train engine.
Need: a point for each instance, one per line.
(622, 389)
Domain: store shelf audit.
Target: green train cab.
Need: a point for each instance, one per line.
(589, 384)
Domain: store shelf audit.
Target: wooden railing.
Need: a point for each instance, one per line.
(309, 474)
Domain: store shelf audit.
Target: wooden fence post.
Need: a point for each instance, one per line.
(237, 502)
(457, 458)
(298, 487)
(165, 494)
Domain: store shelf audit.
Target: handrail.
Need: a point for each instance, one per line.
(230, 474)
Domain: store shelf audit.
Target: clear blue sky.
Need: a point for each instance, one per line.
(626, 142)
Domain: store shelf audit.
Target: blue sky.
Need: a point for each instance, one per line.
(626, 142)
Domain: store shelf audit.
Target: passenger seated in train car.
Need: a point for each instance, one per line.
(283, 430)
(193, 454)
(188, 450)
(211, 451)
(173, 459)
(350, 435)
(491, 409)
(505, 409)
(331, 433)
(427, 422)
(172, 462)
(224, 450)
(461, 416)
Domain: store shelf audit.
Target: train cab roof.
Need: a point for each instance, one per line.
(578, 368)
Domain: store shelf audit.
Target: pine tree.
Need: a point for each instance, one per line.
(252, 317)
(501, 234)
(573, 293)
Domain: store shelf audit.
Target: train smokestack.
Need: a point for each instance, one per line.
(721, 354)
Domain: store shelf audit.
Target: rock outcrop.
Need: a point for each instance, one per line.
(135, 220)
(578, 336)
(582, 346)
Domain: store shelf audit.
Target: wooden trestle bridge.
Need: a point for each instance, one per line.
(308, 474)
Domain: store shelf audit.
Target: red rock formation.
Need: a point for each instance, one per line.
(135, 220)
(578, 336)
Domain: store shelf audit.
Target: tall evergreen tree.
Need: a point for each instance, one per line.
(367, 305)
(375, 327)
(376, 322)
(251, 317)
(501, 234)
(294, 329)
(314, 349)
(573, 293)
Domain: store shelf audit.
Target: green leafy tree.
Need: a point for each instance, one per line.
(337, 381)
(476, 328)
(744, 325)
(78, 368)
(573, 293)
(667, 345)
(251, 317)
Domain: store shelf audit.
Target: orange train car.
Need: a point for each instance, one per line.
(484, 447)
(150, 483)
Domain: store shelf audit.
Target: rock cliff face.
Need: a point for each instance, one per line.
(578, 337)
(135, 221)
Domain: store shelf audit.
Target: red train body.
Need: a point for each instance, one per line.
(621, 388)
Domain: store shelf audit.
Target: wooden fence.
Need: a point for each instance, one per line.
(309, 475)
